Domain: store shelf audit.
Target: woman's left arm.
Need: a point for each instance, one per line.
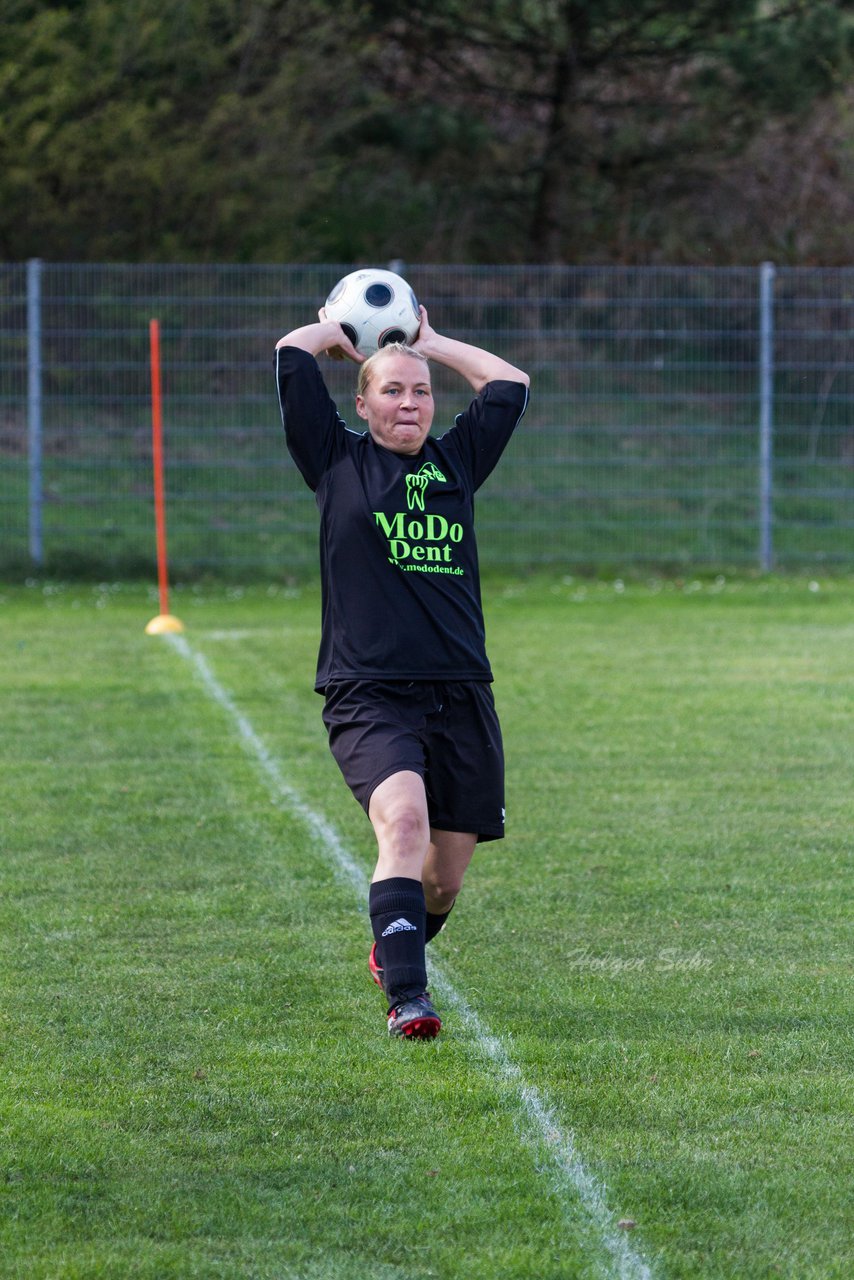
(473, 363)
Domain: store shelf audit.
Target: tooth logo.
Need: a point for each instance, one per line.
(416, 485)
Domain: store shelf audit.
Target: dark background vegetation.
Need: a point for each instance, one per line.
(559, 131)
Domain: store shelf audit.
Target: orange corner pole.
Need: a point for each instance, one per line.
(157, 453)
(164, 622)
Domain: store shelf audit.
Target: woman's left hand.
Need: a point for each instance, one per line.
(425, 333)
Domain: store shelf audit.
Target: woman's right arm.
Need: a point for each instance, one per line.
(309, 415)
(324, 335)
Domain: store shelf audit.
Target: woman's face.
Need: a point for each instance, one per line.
(398, 404)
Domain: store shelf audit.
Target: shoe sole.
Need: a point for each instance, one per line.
(419, 1029)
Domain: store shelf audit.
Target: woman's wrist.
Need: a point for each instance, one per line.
(314, 338)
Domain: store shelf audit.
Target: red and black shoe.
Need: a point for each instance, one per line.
(414, 1019)
(375, 967)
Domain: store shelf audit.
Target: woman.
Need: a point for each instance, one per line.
(402, 662)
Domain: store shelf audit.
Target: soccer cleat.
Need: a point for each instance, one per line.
(415, 1019)
(375, 967)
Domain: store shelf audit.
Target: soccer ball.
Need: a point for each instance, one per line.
(374, 308)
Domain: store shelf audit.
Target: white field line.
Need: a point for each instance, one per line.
(568, 1173)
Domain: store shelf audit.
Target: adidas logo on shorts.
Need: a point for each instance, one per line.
(399, 926)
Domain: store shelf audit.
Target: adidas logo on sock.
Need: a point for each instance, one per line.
(399, 926)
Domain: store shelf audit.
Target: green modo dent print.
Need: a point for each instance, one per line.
(428, 543)
(417, 482)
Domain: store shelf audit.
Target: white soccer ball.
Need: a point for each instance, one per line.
(374, 308)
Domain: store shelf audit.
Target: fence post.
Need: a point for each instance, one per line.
(34, 406)
(766, 416)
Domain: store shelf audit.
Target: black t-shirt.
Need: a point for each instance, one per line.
(398, 557)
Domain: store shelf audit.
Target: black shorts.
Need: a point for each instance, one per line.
(446, 732)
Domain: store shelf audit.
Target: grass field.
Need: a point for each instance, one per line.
(646, 986)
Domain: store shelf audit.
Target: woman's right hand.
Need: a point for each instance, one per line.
(343, 348)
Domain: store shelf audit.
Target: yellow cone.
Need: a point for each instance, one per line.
(163, 624)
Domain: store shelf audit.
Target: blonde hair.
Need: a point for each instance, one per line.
(366, 368)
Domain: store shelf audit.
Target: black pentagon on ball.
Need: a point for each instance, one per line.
(350, 332)
(378, 295)
(392, 335)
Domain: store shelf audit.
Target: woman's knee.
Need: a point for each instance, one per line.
(403, 826)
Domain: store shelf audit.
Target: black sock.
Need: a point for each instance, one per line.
(397, 919)
(436, 923)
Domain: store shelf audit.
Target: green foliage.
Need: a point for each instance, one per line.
(554, 130)
(802, 53)
(159, 131)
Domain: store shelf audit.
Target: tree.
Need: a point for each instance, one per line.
(514, 130)
(158, 130)
(598, 110)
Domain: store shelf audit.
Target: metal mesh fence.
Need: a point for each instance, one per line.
(677, 418)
